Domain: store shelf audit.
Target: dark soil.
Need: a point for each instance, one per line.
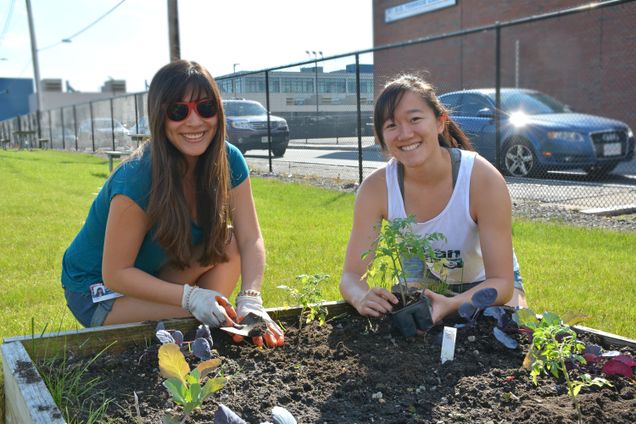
(354, 370)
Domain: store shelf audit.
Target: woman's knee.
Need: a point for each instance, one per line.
(518, 299)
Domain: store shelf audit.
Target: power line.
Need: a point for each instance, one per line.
(69, 38)
(7, 22)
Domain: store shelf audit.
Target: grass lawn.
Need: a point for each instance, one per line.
(46, 196)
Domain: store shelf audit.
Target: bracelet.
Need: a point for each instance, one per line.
(250, 293)
(187, 299)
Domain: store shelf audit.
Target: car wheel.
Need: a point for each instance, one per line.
(520, 160)
(279, 151)
(600, 170)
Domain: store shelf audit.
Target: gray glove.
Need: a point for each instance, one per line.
(202, 304)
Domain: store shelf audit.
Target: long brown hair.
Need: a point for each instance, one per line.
(387, 102)
(167, 207)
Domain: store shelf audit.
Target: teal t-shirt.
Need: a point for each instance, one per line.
(82, 262)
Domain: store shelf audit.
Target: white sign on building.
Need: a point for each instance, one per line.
(413, 8)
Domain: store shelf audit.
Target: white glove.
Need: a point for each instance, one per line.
(251, 304)
(202, 304)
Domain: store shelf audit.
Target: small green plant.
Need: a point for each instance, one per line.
(184, 385)
(396, 242)
(554, 346)
(72, 391)
(308, 296)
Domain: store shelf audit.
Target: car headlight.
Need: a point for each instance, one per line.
(244, 125)
(565, 135)
(630, 133)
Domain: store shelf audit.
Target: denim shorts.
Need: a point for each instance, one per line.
(89, 314)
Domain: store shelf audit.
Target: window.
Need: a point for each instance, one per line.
(451, 101)
(471, 104)
(298, 85)
(255, 85)
(225, 85)
(332, 85)
(366, 86)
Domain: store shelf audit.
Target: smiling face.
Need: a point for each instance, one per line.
(194, 134)
(411, 135)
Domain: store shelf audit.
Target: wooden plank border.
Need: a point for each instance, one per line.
(26, 397)
(28, 401)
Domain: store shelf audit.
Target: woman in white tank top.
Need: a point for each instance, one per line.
(474, 214)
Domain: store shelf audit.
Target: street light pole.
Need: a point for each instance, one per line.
(36, 66)
(234, 65)
(315, 54)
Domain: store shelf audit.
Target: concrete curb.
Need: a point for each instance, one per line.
(611, 211)
(346, 147)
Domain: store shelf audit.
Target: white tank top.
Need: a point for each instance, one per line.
(462, 248)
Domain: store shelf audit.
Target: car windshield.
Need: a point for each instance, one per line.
(530, 103)
(243, 109)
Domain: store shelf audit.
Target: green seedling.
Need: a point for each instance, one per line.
(184, 385)
(397, 241)
(309, 296)
(555, 344)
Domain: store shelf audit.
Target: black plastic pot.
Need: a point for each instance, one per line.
(416, 316)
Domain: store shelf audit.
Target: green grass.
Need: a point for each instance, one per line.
(582, 271)
(46, 196)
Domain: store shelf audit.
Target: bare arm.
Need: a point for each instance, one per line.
(125, 230)
(368, 213)
(248, 236)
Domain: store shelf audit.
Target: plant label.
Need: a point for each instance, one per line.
(448, 344)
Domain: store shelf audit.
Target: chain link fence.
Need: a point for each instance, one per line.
(547, 97)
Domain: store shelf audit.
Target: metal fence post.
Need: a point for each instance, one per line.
(359, 113)
(136, 114)
(75, 126)
(112, 123)
(50, 128)
(63, 126)
(498, 96)
(90, 106)
(269, 124)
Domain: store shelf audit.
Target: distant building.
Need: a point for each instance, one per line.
(314, 102)
(14, 96)
(54, 98)
(296, 91)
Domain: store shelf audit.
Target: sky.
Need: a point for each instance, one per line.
(131, 43)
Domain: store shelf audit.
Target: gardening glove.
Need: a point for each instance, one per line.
(207, 306)
(253, 303)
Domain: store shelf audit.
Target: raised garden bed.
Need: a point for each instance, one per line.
(352, 369)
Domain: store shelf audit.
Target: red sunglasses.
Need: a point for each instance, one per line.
(179, 111)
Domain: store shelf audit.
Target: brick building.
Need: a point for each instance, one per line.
(585, 60)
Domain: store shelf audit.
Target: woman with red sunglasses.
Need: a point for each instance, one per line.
(158, 236)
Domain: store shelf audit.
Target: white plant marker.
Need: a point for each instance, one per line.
(448, 344)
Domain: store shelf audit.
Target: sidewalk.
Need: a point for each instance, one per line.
(339, 143)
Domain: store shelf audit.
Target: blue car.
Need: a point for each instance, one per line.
(539, 133)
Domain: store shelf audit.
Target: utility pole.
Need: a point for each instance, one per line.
(173, 30)
(36, 66)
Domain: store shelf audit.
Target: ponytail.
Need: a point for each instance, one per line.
(453, 136)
